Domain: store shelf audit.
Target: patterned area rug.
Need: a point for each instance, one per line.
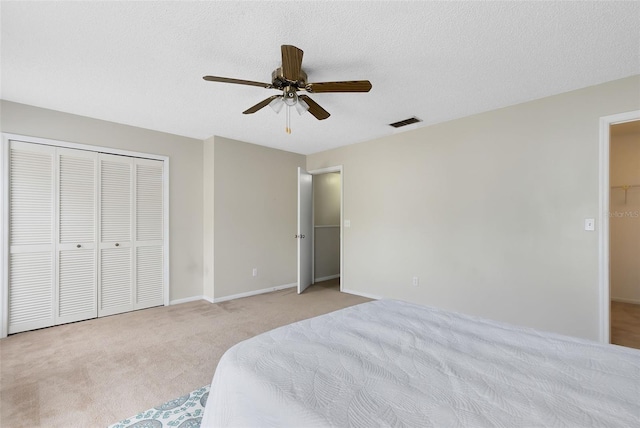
(183, 412)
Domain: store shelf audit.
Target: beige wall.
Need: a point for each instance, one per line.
(255, 217)
(185, 192)
(625, 217)
(488, 211)
(326, 212)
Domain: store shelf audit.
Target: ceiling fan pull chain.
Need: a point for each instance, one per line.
(288, 127)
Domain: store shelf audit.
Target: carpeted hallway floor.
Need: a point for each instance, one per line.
(97, 372)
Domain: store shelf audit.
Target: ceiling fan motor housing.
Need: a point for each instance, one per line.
(279, 82)
(290, 95)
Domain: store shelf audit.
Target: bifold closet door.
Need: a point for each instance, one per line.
(86, 235)
(115, 261)
(131, 259)
(76, 248)
(31, 236)
(149, 229)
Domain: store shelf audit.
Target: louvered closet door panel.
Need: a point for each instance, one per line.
(31, 196)
(149, 225)
(149, 284)
(149, 229)
(76, 285)
(30, 291)
(115, 198)
(31, 236)
(77, 196)
(115, 278)
(77, 250)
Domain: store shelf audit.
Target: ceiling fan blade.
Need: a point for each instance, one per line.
(347, 86)
(238, 81)
(291, 62)
(260, 105)
(314, 108)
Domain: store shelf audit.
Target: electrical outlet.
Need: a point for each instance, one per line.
(415, 281)
(255, 271)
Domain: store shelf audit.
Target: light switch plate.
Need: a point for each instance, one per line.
(590, 224)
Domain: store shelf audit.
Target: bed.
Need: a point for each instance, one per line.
(392, 363)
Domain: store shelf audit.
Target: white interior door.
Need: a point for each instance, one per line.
(31, 236)
(77, 251)
(304, 237)
(149, 227)
(115, 278)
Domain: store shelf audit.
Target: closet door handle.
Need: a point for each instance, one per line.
(78, 246)
(117, 245)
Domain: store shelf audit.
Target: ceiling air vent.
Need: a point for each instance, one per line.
(405, 122)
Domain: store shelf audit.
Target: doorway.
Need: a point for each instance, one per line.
(624, 233)
(326, 226)
(613, 251)
(321, 259)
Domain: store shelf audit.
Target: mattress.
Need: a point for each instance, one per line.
(392, 363)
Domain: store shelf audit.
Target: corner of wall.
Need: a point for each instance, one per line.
(208, 220)
(255, 217)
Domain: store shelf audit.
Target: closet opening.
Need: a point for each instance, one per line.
(320, 206)
(624, 233)
(326, 229)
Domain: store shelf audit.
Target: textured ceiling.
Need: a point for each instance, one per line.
(141, 63)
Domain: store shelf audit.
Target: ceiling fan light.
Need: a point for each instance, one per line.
(276, 104)
(290, 98)
(301, 107)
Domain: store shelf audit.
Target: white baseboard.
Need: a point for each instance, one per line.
(234, 296)
(276, 288)
(361, 294)
(326, 278)
(187, 300)
(623, 300)
(253, 293)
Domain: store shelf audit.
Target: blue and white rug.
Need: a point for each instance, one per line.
(183, 412)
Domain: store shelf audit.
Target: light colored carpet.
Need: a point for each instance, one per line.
(94, 373)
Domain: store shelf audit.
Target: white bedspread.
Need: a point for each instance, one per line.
(390, 363)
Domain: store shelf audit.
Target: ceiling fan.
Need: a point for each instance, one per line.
(290, 78)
